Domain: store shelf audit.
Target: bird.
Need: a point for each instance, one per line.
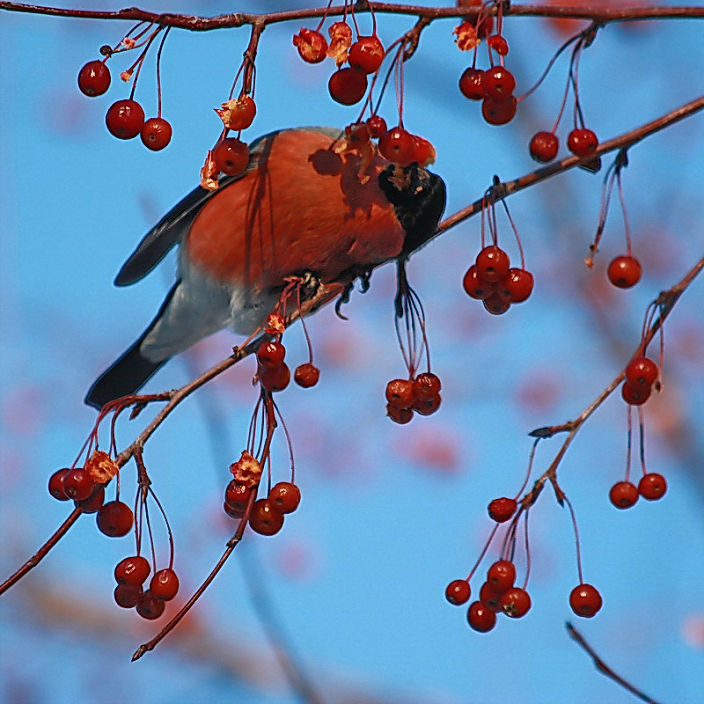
(300, 207)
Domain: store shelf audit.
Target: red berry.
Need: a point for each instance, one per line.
(499, 112)
(150, 606)
(543, 146)
(306, 375)
(501, 510)
(496, 304)
(498, 82)
(78, 484)
(471, 85)
(312, 46)
(94, 502)
(624, 271)
(492, 264)
(474, 286)
(115, 519)
(498, 44)
(285, 497)
(132, 571)
(490, 598)
(366, 54)
(397, 146)
(347, 86)
(426, 385)
(652, 486)
(480, 618)
(265, 519)
(231, 156)
(641, 372)
(236, 498)
(124, 119)
(623, 494)
(127, 596)
(94, 78)
(501, 576)
(423, 151)
(399, 415)
(241, 113)
(376, 125)
(582, 142)
(156, 133)
(428, 405)
(56, 484)
(515, 602)
(517, 285)
(635, 395)
(400, 394)
(457, 592)
(164, 584)
(271, 354)
(276, 379)
(585, 600)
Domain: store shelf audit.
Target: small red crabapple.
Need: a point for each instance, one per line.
(641, 371)
(306, 375)
(271, 354)
(475, 287)
(498, 82)
(490, 598)
(366, 54)
(502, 509)
(285, 497)
(517, 285)
(156, 133)
(458, 591)
(94, 502)
(56, 484)
(423, 151)
(492, 264)
(115, 519)
(94, 79)
(275, 379)
(124, 119)
(624, 271)
(582, 142)
(428, 405)
(496, 304)
(585, 600)
(400, 394)
(623, 494)
(543, 146)
(265, 519)
(515, 602)
(471, 85)
(501, 576)
(399, 415)
(78, 484)
(635, 395)
(236, 498)
(312, 46)
(132, 571)
(376, 125)
(164, 584)
(652, 486)
(426, 385)
(239, 114)
(498, 44)
(231, 156)
(347, 86)
(397, 146)
(480, 618)
(499, 112)
(149, 606)
(127, 596)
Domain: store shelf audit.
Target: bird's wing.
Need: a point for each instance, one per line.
(171, 229)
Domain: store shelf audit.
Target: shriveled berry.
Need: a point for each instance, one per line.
(499, 112)
(236, 498)
(164, 584)
(543, 146)
(496, 304)
(517, 285)
(306, 375)
(285, 496)
(397, 146)
(492, 264)
(652, 486)
(498, 44)
(457, 592)
(312, 45)
(265, 519)
(515, 602)
(399, 393)
(585, 600)
(635, 395)
(347, 85)
(94, 78)
(623, 494)
(498, 82)
(231, 156)
(240, 113)
(124, 119)
(366, 54)
(132, 570)
(56, 484)
(641, 372)
(376, 125)
(94, 502)
(399, 415)
(582, 142)
(115, 519)
(78, 484)
(624, 271)
(275, 379)
(471, 85)
(490, 598)
(156, 133)
(428, 405)
(501, 575)
(149, 606)
(271, 354)
(502, 509)
(127, 596)
(426, 385)
(480, 618)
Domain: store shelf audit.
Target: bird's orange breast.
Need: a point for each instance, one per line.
(304, 208)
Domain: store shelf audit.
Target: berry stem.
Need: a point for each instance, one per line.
(629, 435)
(483, 552)
(527, 546)
(641, 428)
(158, 71)
(576, 538)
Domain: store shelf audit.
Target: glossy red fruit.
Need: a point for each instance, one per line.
(150, 606)
(458, 591)
(490, 598)
(641, 372)
(306, 375)
(480, 618)
(366, 54)
(78, 484)
(399, 415)
(426, 385)
(471, 85)
(164, 584)
(492, 264)
(271, 354)
(623, 494)
(498, 82)
(634, 395)
(543, 146)
(312, 46)
(94, 79)
(115, 519)
(517, 285)
(499, 112)
(127, 596)
(377, 126)
(56, 484)
(94, 502)
(276, 379)
(231, 156)
(156, 133)
(624, 271)
(400, 394)
(428, 405)
(236, 498)
(265, 519)
(585, 600)
(501, 576)
(502, 509)
(475, 287)
(423, 151)
(242, 113)
(132, 570)
(652, 486)
(582, 142)
(498, 44)
(124, 119)
(397, 146)
(496, 304)
(285, 497)
(515, 602)
(347, 85)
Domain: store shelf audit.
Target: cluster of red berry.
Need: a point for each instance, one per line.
(406, 396)
(274, 374)
(641, 375)
(130, 575)
(580, 141)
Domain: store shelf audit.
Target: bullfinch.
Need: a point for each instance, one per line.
(300, 207)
